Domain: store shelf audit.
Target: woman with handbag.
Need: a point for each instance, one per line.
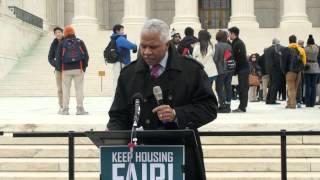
(254, 77)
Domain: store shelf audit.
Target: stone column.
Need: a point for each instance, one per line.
(186, 16)
(103, 13)
(85, 14)
(242, 14)
(294, 14)
(51, 13)
(135, 14)
(3, 7)
(60, 13)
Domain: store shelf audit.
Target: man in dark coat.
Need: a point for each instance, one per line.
(273, 59)
(58, 33)
(187, 43)
(189, 101)
(242, 69)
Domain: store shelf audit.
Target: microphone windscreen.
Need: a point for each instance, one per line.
(137, 96)
(157, 92)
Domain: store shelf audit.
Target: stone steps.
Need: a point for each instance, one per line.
(33, 73)
(211, 164)
(47, 176)
(210, 176)
(210, 151)
(226, 158)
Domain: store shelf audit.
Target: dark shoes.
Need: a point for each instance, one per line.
(239, 110)
(224, 109)
(272, 103)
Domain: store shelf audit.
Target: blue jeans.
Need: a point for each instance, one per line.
(223, 88)
(311, 84)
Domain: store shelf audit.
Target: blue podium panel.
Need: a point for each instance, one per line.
(146, 162)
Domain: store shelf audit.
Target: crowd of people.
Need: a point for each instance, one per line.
(280, 73)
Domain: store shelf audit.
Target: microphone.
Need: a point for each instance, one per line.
(157, 92)
(137, 99)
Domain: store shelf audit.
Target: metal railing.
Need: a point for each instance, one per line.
(70, 135)
(27, 17)
(282, 134)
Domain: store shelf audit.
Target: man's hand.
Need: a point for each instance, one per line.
(165, 113)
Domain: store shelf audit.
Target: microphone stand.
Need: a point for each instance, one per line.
(133, 138)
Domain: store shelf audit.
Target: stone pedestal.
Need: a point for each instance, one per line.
(294, 15)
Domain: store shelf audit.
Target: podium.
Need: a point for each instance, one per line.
(160, 154)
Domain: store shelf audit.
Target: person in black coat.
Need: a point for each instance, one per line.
(242, 69)
(187, 43)
(273, 59)
(187, 93)
(52, 57)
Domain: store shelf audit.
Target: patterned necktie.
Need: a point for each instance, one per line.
(155, 71)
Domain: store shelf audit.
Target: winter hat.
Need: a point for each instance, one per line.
(68, 31)
(310, 40)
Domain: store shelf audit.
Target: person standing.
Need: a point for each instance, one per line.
(273, 58)
(186, 45)
(265, 77)
(311, 72)
(242, 68)
(189, 101)
(123, 49)
(223, 52)
(292, 63)
(300, 91)
(255, 71)
(203, 52)
(72, 61)
(58, 33)
(175, 38)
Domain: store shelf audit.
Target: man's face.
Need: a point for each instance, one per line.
(121, 31)
(152, 48)
(233, 36)
(176, 39)
(254, 58)
(58, 34)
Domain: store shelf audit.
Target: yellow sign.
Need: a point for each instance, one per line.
(101, 73)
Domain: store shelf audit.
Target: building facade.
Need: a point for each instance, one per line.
(259, 20)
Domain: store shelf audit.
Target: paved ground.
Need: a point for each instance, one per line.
(40, 114)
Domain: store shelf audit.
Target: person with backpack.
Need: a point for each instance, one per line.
(72, 61)
(58, 33)
(123, 47)
(292, 63)
(186, 45)
(225, 64)
(311, 72)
